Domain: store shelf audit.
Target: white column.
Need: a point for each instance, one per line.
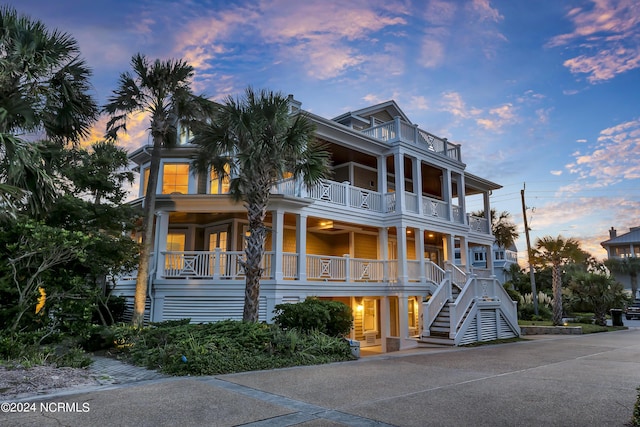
(385, 322)
(487, 209)
(382, 175)
(489, 249)
(448, 243)
(420, 252)
(448, 193)
(160, 240)
(402, 254)
(462, 198)
(383, 250)
(464, 253)
(398, 161)
(403, 313)
(277, 243)
(416, 173)
(301, 245)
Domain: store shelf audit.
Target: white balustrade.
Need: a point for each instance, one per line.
(411, 201)
(413, 270)
(433, 272)
(366, 270)
(290, 266)
(435, 208)
(479, 225)
(320, 267)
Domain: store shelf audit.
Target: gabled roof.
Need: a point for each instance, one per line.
(633, 236)
(389, 106)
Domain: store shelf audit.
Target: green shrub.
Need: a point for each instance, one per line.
(225, 347)
(526, 312)
(330, 317)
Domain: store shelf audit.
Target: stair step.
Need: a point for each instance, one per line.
(436, 340)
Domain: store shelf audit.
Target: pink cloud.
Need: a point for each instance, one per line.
(609, 33)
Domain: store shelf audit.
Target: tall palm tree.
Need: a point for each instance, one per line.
(254, 141)
(628, 266)
(44, 93)
(556, 253)
(161, 90)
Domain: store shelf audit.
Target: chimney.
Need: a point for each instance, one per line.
(612, 233)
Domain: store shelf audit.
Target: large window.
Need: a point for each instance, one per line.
(219, 186)
(175, 178)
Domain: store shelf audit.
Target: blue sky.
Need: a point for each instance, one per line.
(539, 92)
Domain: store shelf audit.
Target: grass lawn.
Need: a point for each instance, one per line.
(587, 328)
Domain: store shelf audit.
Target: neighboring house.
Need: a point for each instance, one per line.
(624, 246)
(378, 236)
(501, 261)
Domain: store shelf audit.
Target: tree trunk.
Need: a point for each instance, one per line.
(256, 212)
(557, 295)
(633, 278)
(142, 280)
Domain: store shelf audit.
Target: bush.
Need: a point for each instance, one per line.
(330, 317)
(526, 312)
(226, 347)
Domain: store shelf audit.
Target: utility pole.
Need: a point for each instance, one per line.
(532, 276)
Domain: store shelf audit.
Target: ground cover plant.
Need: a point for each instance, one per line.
(181, 348)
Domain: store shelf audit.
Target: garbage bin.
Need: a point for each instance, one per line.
(616, 317)
(355, 348)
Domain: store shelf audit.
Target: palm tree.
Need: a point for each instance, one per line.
(556, 253)
(161, 90)
(503, 229)
(627, 266)
(44, 92)
(599, 291)
(254, 141)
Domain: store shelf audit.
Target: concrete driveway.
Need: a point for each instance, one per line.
(584, 380)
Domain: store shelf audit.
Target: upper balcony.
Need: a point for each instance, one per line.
(398, 130)
(343, 194)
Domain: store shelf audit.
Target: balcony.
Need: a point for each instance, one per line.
(227, 265)
(401, 131)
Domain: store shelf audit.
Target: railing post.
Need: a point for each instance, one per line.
(398, 129)
(347, 268)
(216, 263)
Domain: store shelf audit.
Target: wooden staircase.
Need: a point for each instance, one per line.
(439, 330)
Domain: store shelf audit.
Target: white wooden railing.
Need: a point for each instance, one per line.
(228, 265)
(217, 264)
(458, 309)
(434, 305)
(477, 224)
(289, 265)
(435, 208)
(399, 130)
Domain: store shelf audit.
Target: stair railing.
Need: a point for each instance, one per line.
(458, 309)
(433, 306)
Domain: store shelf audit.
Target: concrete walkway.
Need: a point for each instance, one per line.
(585, 380)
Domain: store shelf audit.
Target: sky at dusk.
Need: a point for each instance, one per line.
(541, 92)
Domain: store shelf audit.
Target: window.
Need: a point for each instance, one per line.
(176, 242)
(218, 239)
(500, 255)
(175, 178)
(478, 256)
(219, 186)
